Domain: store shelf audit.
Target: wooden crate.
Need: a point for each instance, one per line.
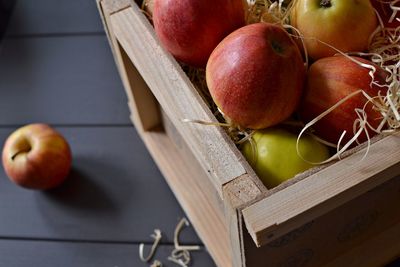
(346, 214)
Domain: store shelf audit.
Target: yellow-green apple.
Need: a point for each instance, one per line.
(343, 24)
(255, 76)
(191, 29)
(331, 79)
(36, 156)
(274, 157)
(386, 12)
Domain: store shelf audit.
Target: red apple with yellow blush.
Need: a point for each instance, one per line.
(191, 29)
(36, 156)
(256, 75)
(343, 24)
(330, 80)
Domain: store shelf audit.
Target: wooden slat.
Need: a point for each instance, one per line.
(336, 233)
(145, 113)
(60, 80)
(237, 194)
(113, 6)
(194, 192)
(386, 244)
(46, 17)
(216, 153)
(314, 196)
(29, 253)
(115, 193)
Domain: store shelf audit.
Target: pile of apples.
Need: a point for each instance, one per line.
(257, 75)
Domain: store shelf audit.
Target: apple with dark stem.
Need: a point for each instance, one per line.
(191, 29)
(343, 24)
(36, 156)
(255, 76)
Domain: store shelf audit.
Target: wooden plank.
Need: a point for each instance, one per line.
(60, 80)
(237, 194)
(194, 192)
(314, 196)
(145, 113)
(46, 17)
(142, 103)
(114, 193)
(216, 153)
(336, 233)
(366, 254)
(112, 6)
(28, 253)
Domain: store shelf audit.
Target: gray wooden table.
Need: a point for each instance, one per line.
(56, 67)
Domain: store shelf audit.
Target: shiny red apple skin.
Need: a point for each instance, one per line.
(191, 29)
(385, 13)
(256, 76)
(36, 156)
(344, 24)
(328, 81)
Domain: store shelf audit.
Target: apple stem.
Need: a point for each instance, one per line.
(17, 153)
(325, 3)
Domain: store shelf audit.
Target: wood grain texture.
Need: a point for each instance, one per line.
(366, 254)
(314, 196)
(334, 234)
(115, 192)
(113, 6)
(238, 193)
(18, 253)
(60, 80)
(142, 103)
(177, 96)
(194, 192)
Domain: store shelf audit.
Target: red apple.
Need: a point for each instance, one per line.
(331, 79)
(256, 75)
(343, 24)
(191, 29)
(385, 11)
(37, 157)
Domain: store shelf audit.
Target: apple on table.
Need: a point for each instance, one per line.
(36, 156)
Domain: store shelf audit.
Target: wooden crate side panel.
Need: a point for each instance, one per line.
(212, 147)
(340, 236)
(203, 183)
(238, 194)
(194, 192)
(141, 102)
(143, 105)
(319, 193)
(365, 255)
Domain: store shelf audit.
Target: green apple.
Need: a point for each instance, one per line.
(344, 24)
(274, 156)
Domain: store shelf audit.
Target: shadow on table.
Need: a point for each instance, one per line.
(6, 7)
(80, 191)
